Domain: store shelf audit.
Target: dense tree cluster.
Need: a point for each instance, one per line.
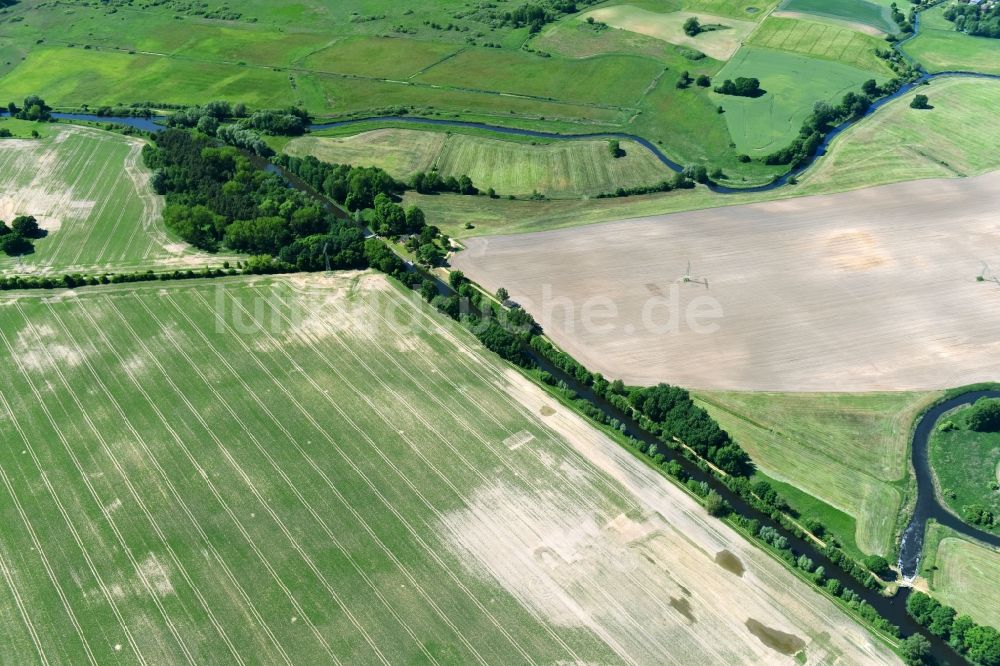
(673, 411)
(15, 240)
(742, 86)
(985, 415)
(980, 20)
(216, 196)
(354, 187)
(979, 644)
(34, 108)
(291, 121)
(533, 15)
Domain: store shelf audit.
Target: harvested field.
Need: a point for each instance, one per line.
(89, 189)
(720, 44)
(867, 290)
(281, 469)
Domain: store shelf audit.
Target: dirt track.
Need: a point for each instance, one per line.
(866, 290)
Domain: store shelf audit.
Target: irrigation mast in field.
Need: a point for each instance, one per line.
(687, 277)
(986, 275)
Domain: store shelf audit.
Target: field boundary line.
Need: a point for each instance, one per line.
(173, 490)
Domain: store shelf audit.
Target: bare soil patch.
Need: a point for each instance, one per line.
(868, 290)
(645, 581)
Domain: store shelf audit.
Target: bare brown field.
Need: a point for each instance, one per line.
(867, 290)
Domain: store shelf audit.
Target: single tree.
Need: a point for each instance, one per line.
(916, 650)
(502, 294)
(920, 102)
(692, 26)
(703, 80)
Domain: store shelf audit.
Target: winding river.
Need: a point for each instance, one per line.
(155, 124)
(928, 503)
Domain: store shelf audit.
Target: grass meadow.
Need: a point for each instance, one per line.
(963, 574)
(967, 465)
(556, 169)
(309, 469)
(793, 84)
(855, 11)
(939, 47)
(89, 189)
(848, 451)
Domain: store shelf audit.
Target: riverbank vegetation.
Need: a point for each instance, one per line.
(965, 457)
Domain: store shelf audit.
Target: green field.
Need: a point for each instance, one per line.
(849, 451)
(854, 11)
(822, 40)
(939, 47)
(614, 80)
(899, 143)
(556, 169)
(967, 466)
(963, 574)
(309, 469)
(895, 144)
(793, 84)
(89, 189)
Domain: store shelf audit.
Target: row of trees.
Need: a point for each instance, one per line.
(16, 240)
(978, 643)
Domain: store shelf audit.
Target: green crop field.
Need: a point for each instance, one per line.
(939, 47)
(855, 11)
(793, 84)
(822, 40)
(89, 189)
(967, 466)
(963, 574)
(849, 451)
(307, 469)
(557, 169)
